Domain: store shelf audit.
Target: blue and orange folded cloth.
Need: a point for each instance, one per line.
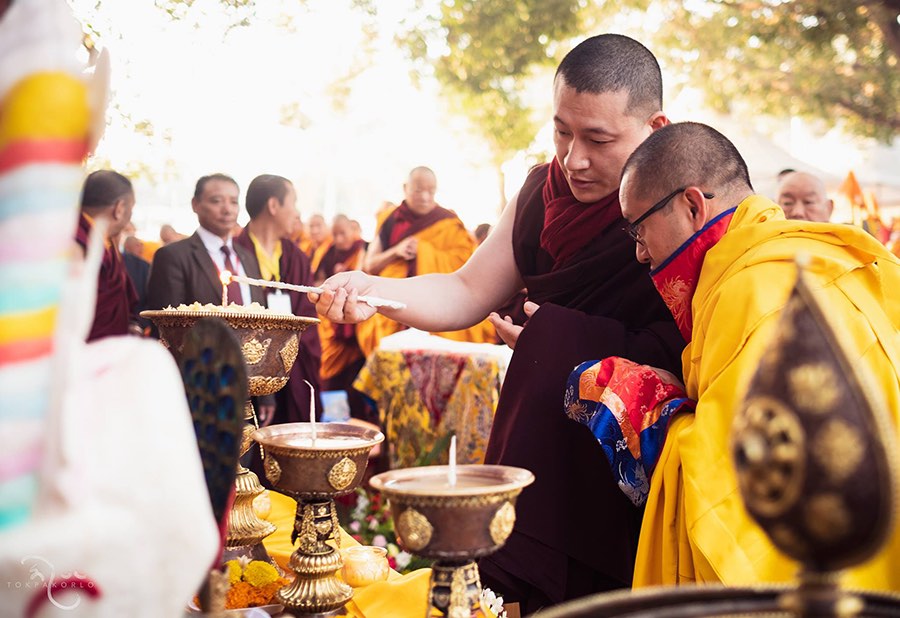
(628, 408)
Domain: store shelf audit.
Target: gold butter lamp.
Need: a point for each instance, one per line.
(270, 343)
(314, 472)
(453, 523)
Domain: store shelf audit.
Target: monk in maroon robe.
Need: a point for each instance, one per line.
(108, 196)
(561, 237)
(271, 202)
(342, 357)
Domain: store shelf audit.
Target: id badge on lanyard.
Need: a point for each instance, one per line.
(279, 302)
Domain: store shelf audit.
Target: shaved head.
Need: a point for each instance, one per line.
(685, 154)
(803, 196)
(614, 63)
(419, 190)
(421, 170)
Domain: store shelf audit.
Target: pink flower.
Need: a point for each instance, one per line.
(354, 526)
(379, 540)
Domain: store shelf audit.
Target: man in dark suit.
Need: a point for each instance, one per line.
(187, 271)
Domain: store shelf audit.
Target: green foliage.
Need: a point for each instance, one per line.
(829, 61)
(482, 53)
(834, 61)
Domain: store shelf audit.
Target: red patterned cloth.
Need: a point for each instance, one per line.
(627, 407)
(676, 278)
(434, 376)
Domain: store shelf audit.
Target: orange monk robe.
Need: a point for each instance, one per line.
(302, 241)
(315, 259)
(150, 248)
(443, 247)
(339, 347)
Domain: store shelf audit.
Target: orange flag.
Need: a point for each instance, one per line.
(853, 192)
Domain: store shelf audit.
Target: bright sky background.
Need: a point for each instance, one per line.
(220, 99)
(215, 101)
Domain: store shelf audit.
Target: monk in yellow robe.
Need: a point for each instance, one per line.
(319, 241)
(723, 260)
(418, 237)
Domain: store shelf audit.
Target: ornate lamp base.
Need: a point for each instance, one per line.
(245, 529)
(455, 589)
(316, 589)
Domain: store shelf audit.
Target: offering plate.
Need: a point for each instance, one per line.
(454, 523)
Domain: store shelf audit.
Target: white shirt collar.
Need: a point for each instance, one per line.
(212, 242)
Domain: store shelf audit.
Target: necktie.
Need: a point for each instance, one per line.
(234, 288)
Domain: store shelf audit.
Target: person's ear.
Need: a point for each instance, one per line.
(118, 211)
(658, 121)
(829, 207)
(698, 207)
(272, 205)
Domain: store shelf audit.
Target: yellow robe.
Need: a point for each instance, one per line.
(442, 248)
(695, 528)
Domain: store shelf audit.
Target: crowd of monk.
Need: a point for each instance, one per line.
(641, 240)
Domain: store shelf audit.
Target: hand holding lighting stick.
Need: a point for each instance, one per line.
(372, 301)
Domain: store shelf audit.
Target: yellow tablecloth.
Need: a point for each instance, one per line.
(425, 394)
(401, 596)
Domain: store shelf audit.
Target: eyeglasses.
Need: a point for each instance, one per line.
(632, 228)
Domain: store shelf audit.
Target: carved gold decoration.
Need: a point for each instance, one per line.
(813, 387)
(246, 440)
(289, 353)
(415, 529)
(311, 454)
(459, 601)
(771, 466)
(254, 350)
(342, 474)
(838, 448)
(273, 470)
(260, 385)
(335, 529)
(826, 516)
(244, 525)
(235, 319)
(502, 523)
(468, 502)
(307, 533)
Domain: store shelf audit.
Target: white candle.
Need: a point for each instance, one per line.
(372, 301)
(312, 411)
(451, 469)
(225, 278)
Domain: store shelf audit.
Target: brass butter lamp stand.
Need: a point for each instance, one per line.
(314, 473)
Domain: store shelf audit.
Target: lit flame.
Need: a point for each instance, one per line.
(225, 277)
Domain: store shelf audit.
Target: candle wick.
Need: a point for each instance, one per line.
(312, 410)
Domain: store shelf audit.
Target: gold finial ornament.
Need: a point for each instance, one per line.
(814, 453)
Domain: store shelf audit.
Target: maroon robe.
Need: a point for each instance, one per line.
(116, 296)
(575, 531)
(293, 400)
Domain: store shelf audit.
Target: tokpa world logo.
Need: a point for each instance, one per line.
(42, 574)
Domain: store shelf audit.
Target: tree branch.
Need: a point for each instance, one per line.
(891, 122)
(884, 14)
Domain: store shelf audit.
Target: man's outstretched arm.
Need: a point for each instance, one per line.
(436, 302)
